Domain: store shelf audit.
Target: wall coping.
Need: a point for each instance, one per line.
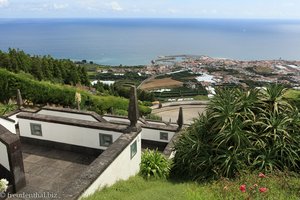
(73, 122)
(12, 113)
(98, 166)
(7, 119)
(7, 137)
(170, 146)
(142, 120)
(73, 111)
(149, 126)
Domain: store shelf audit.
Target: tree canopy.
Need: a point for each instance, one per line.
(44, 67)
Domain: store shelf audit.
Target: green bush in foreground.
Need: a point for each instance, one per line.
(242, 130)
(154, 164)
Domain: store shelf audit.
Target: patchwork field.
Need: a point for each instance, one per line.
(161, 83)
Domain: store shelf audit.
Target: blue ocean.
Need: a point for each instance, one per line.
(138, 41)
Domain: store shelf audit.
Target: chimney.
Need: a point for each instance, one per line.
(180, 118)
(19, 99)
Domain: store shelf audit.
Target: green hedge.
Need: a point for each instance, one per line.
(41, 92)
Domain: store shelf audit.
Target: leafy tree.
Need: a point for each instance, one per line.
(36, 68)
(44, 67)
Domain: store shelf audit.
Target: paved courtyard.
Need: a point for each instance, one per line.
(51, 170)
(189, 112)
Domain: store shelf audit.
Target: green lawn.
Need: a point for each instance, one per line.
(136, 188)
(201, 97)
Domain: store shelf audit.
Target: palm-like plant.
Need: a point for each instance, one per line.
(241, 128)
(4, 109)
(154, 164)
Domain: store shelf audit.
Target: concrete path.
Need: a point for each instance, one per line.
(189, 112)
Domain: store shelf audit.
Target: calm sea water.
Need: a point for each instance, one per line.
(138, 41)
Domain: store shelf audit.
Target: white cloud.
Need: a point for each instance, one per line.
(172, 11)
(58, 6)
(3, 3)
(115, 6)
(135, 9)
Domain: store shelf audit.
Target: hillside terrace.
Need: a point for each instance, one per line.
(68, 153)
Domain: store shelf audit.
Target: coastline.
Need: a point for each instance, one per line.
(106, 41)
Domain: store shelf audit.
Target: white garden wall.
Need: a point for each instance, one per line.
(8, 125)
(154, 135)
(14, 117)
(67, 115)
(147, 133)
(121, 168)
(74, 135)
(4, 161)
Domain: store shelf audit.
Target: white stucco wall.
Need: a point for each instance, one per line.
(147, 133)
(8, 125)
(14, 117)
(67, 115)
(121, 168)
(154, 135)
(68, 134)
(4, 156)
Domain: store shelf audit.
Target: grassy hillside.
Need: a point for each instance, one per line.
(279, 187)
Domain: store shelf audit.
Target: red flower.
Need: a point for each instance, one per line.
(243, 188)
(263, 189)
(261, 175)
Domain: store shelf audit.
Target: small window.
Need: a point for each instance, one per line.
(105, 140)
(133, 149)
(36, 129)
(164, 136)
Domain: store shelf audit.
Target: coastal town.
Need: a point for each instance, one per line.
(210, 72)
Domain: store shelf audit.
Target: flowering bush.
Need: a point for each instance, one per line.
(253, 189)
(261, 175)
(263, 189)
(243, 188)
(3, 185)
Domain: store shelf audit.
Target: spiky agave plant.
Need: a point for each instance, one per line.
(241, 130)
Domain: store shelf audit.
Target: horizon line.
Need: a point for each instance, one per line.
(147, 18)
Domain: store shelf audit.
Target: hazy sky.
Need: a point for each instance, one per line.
(150, 8)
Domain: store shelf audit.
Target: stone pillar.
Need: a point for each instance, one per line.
(133, 110)
(180, 118)
(16, 174)
(19, 99)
